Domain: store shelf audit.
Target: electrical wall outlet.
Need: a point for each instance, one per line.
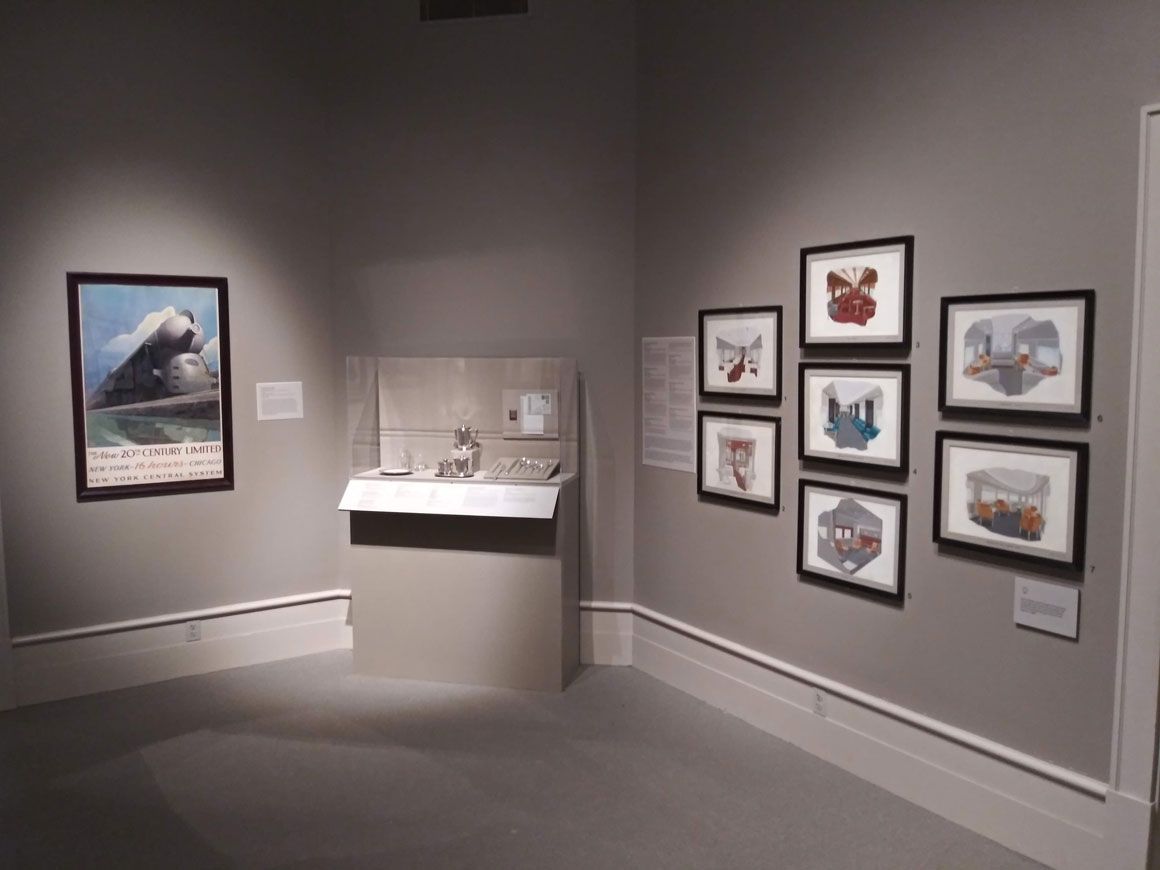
(192, 631)
(820, 703)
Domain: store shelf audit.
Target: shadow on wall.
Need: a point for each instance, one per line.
(453, 303)
(598, 530)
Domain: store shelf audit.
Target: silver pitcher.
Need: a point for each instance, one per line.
(464, 436)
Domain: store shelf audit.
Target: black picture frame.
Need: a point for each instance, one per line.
(759, 452)
(833, 569)
(151, 414)
(957, 374)
(842, 337)
(759, 315)
(898, 373)
(985, 500)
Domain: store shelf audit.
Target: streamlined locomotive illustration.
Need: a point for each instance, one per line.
(167, 369)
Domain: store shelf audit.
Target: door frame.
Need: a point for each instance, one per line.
(1134, 749)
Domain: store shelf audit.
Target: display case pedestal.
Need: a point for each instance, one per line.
(483, 600)
(471, 454)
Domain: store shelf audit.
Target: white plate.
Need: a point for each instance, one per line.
(395, 472)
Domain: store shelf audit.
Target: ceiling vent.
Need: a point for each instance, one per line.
(446, 10)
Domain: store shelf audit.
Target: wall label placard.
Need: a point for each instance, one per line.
(280, 400)
(1048, 607)
(453, 498)
(669, 403)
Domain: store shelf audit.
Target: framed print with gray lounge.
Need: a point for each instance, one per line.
(1024, 498)
(854, 414)
(738, 458)
(739, 352)
(852, 537)
(1018, 355)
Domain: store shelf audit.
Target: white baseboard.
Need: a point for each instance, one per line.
(1044, 811)
(605, 638)
(94, 661)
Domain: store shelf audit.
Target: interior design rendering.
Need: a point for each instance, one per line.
(735, 456)
(852, 539)
(850, 536)
(849, 412)
(739, 353)
(852, 294)
(1009, 501)
(397, 469)
(1012, 353)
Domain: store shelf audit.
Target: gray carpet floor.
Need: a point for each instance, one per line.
(300, 764)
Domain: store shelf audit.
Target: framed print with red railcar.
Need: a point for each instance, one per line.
(857, 294)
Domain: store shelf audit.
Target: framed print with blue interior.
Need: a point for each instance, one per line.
(738, 458)
(852, 537)
(740, 352)
(857, 294)
(1025, 356)
(854, 414)
(1024, 498)
(150, 383)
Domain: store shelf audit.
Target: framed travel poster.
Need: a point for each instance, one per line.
(852, 537)
(854, 414)
(151, 384)
(857, 294)
(1023, 498)
(740, 352)
(738, 458)
(1018, 354)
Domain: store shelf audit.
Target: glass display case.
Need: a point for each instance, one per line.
(484, 421)
(463, 497)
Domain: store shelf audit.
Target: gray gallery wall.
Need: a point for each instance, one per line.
(164, 138)
(7, 688)
(483, 206)
(1005, 138)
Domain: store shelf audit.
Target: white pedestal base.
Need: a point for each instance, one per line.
(474, 600)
